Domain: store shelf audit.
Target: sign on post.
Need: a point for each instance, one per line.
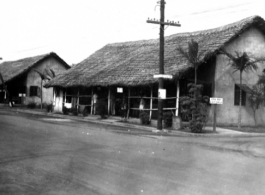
(162, 93)
(120, 90)
(214, 100)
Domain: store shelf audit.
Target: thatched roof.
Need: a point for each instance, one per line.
(13, 69)
(135, 63)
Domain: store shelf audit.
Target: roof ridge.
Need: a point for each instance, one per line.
(242, 23)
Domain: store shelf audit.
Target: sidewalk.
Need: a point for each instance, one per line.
(116, 121)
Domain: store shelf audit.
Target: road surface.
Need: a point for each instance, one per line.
(41, 155)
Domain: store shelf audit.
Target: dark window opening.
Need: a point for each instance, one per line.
(33, 91)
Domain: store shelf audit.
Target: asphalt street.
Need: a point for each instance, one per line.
(56, 156)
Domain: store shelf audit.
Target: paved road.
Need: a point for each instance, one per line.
(46, 155)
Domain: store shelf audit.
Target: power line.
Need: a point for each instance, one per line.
(214, 10)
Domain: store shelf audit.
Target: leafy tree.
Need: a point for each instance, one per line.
(261, 81)
(195, 107)
(256, 99)
(243, 63)
(47, 75)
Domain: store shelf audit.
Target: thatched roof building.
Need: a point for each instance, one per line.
(13, 69)
(135, 63)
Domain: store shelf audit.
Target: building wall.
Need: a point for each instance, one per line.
(251, 41)
(58, 101)
(34, 79)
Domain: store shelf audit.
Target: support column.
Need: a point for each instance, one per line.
(77, 101)
(92, 93)
(109, 102)
(54, 98)
(129, 101)
(177, 99)
(64, 96)
(151, 103)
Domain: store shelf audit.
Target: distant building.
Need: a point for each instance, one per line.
(24, 83)
(131, 66)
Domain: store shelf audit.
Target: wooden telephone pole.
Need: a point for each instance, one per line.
(161, 56)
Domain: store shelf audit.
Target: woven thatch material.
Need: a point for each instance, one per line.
(135, 63)
(13, 69)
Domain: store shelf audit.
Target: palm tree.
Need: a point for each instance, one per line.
(242, 63)
(47, 75)
(193, 55)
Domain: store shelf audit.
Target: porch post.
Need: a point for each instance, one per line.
(129, 101)
(151, 103)
(54, 97)
(77, 102)
(64, 96)
(92, 101)
(177, 99)
(109, 102)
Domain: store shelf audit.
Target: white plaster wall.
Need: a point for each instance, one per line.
(251, 41)
(33, 79)
(58, 105)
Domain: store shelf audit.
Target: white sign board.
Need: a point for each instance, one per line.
(120, 90)
(161, 93)
(165, 76)
(214, 100)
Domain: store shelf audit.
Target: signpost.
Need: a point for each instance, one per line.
(164, 76)
(215, 101)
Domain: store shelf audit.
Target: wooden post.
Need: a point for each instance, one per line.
(129, 101)
(177, 99)
(109, 102)
(214, 117)
(65, 96)
(151, 103)
(77, 101)
(92, 101)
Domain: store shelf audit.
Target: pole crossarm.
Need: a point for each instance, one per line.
(164, 23)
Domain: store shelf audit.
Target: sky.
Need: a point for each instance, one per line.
(75, 29)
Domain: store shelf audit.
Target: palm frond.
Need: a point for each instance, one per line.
(261, 79)
(43, 76)
(52, 73)
(193, 51)
(230, 56)
(183, 53)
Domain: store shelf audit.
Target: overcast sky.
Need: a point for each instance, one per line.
(74, 29)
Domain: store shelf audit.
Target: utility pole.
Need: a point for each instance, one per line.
(161, 56)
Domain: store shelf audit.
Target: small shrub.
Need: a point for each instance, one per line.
(101, 108)
(66, 110)
(74, 111)
(144, 117)
(44, 105)
(167, 117)
(49, 107)
(31, 105)
(85, 111)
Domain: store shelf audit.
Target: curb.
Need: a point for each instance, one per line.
(145, 128)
